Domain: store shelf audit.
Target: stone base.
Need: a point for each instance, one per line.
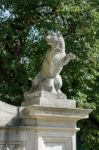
(47, 122)
(44, 98)
(52, 128)
(52, 119)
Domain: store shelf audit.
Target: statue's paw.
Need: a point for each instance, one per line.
(71, 56)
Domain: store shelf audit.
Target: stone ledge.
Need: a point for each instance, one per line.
(4, 107)
(51, 113)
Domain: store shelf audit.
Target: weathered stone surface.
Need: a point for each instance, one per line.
(53, 128)
(51, 113)
(9, 114)
(48, 99)
(37, 127)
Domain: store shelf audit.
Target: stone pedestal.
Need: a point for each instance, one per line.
(47, 99)
(51, 120)
(46, 121)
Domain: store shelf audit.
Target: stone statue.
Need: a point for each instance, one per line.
(49, 79)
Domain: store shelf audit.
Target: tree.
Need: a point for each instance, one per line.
(23, 45)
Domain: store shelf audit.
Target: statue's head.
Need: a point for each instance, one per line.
(55, 40)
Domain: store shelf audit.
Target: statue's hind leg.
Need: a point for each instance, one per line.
(50, 86)
(58, 83)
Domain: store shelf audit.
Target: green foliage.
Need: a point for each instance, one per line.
(23, 27)
(88, 138)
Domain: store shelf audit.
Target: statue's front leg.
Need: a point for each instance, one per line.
(69, 57)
